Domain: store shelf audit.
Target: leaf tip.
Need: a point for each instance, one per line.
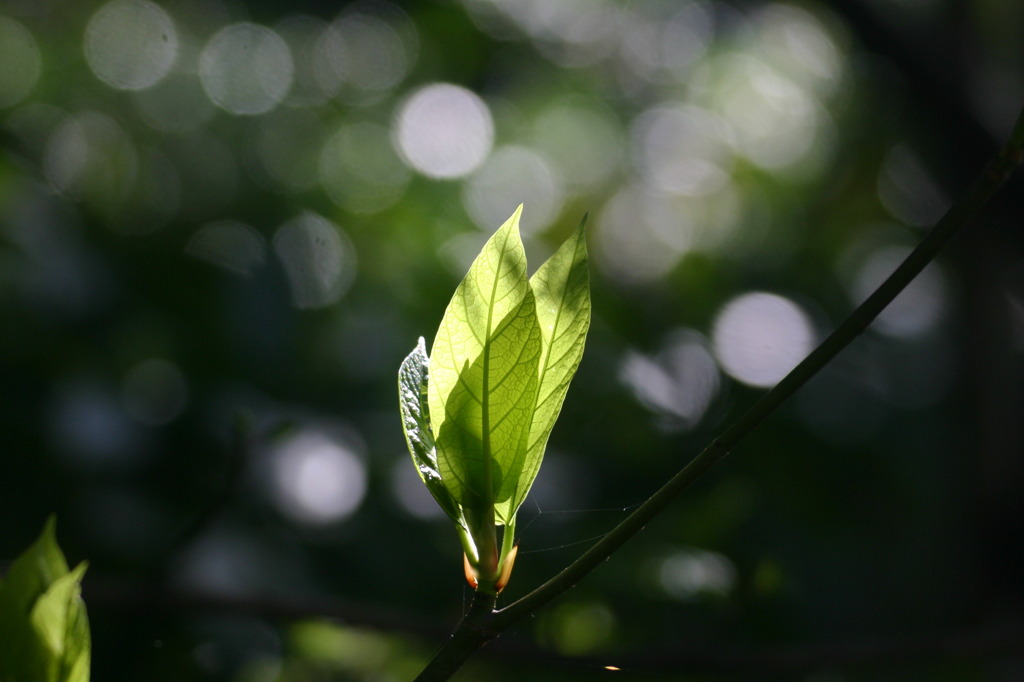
(513, 220)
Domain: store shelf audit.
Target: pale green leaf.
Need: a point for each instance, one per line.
(35, 569)
(61, 642)
(78, 645)
(561, 287)
(412, 398)
(483, 375)
(28, 578)
(44, 631)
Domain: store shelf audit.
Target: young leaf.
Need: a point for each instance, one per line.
(483, 376)
(44, 631)
(61, 642)
(412, 398)
(562, 290)
(27, 579)
(35, 569)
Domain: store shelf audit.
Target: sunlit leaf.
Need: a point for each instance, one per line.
(483, 376)
(412, 394)
(561, 287)
(501, 364)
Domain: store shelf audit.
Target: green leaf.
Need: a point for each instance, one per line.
(78, 646)
(561, 287)
(27, 579)
(412, 398)
(44, 631)
(34, 570)
(61, 631)
(483, 377)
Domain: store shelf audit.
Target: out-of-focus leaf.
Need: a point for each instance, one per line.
(61, 631)
(44, 631)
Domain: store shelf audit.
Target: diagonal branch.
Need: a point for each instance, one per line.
(482, 624)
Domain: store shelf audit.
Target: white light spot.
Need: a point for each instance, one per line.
(494, 191)
(444, 131)
(20, 64)
(679, 382)
(569, 32)
(154, 391)
(918, 307)
(246, 69)
(640, 236)
(690, 573)
(777, 124)
(317, 478)
(361, 53)
(130, 44)
(666, 47)
(759, 337)
(234, 246)
(796, 41)
(318, 259)
(680, 150)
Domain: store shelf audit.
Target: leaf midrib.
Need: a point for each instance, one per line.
(485, 421)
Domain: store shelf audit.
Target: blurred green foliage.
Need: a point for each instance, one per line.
(223, 206)
(44, 629)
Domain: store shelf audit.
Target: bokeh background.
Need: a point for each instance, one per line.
(223, 224)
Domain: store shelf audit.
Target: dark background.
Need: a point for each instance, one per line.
(211, 267)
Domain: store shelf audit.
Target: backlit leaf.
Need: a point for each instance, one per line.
(561, 287)
(483, 376)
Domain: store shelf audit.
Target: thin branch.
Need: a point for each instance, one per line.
(474, 631)
(988, 182)
(992, 177)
